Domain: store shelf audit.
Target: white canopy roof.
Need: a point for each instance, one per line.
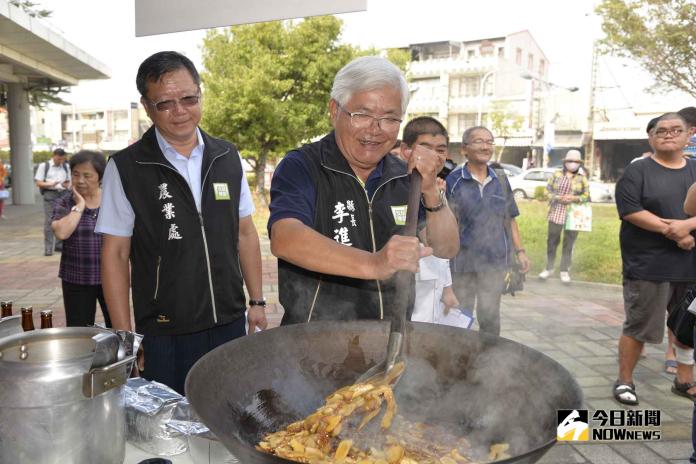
(163, 16)
(31, 52)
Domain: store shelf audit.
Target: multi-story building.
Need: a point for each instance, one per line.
(106, 129)
(74, 128)
(465, 83)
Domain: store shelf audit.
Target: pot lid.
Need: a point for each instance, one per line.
(91, 346)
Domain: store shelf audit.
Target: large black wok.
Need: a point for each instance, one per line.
(489, 389)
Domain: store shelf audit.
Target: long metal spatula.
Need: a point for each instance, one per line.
(390, 369)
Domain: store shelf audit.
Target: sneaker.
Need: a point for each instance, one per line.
(565, 277)
(543, 275)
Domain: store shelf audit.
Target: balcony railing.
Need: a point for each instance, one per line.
(455, 65)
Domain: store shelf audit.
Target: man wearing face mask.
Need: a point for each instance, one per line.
(566, 186)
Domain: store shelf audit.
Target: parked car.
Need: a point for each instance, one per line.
(511, 169)
(524, 184)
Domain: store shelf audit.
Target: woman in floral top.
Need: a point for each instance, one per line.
(74, 219)
(566, 186)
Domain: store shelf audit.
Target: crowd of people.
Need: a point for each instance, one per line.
(169, 218)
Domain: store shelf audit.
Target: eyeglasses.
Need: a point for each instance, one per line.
(490, 143)
(168, 105)
(674, 132)
(363, 121)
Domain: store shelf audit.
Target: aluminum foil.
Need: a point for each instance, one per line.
(149, 407)
(185, 421)
(204, 447)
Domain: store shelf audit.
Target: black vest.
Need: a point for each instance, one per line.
(344, 213)
(180, 258)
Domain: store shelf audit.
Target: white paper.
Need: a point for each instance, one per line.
(455, 317)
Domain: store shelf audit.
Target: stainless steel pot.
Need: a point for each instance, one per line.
(61, 396)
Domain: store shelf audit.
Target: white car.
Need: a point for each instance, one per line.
(523, 185)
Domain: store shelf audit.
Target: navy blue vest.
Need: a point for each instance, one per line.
(343, 213)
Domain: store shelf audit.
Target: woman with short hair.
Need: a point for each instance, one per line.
(73, 221)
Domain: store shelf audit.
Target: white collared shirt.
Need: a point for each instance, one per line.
(55, 173)
(189, 168)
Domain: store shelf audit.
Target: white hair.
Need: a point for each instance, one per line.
(368, 73)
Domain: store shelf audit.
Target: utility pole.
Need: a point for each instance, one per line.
(589, 152)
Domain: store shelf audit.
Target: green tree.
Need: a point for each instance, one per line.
(400, 57)
(503, 123)
(658, 34)
(32, 9)
(267, 85)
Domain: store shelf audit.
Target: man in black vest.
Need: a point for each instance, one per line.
(176, 205)
(338, 205)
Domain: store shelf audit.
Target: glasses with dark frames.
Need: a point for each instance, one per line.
(674, 132)
(168, 105)
(364, 120)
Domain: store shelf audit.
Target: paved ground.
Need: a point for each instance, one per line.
(577, 325)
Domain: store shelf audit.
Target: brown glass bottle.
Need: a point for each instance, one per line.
(6, 308)
(46, 319)
(28, 318)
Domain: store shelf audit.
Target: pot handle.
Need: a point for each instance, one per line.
(102, 379)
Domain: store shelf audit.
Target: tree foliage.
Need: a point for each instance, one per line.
(32, 9)
(267, 85)
(503, 123)
(400, 57)
(659, 34)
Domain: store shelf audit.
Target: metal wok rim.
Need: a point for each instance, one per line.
(365, 326)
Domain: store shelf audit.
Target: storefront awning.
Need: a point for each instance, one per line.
(164, 16)
(514, 141)
(568, 140)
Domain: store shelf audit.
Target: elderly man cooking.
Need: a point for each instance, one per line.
(339, 204)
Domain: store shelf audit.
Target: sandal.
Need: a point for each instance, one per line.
(671, 366)
(625, 393)
(682, 389)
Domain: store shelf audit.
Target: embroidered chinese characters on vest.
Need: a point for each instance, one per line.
(168, 212)
(344, 221)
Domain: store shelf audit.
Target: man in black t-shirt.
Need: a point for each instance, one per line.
(656, 242)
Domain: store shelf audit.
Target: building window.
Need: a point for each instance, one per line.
(466, 120)
(486, 48)
(542, 67)
(530, 62)
(518, 56)
(454, 87)
(469, 86)
(501, 52)
(470, 54)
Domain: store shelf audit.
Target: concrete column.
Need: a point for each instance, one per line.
(23, 188)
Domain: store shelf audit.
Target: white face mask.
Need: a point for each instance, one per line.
(572, 166)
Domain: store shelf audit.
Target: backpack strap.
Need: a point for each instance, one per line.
(47, 167)
(505, 185)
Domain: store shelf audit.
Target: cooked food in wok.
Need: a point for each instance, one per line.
(343, 431)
